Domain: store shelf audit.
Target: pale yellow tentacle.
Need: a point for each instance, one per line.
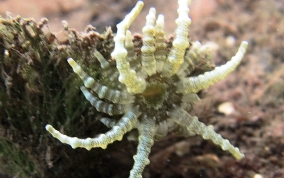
(124, 125)
(146, 140)
(192, 124)
(203, 81)
(112, 95)
(127, 75)
(180, 43)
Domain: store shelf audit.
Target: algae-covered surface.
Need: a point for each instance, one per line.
(38, 87)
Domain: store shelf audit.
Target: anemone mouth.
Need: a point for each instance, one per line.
(154, 95)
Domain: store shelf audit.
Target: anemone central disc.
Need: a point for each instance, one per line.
(154, 95)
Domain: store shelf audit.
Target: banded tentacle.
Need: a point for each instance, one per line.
(178, 129)
(124, 125)
(101, 106)
(146, 140)
(148, 47)
(180, 43)
(133, 59)
(191, 58)
(108, 122)
(203, 81)
(112, 95)
(181, 117)
(161, 46)
(161, 130)
(188, 101)
(127, 76)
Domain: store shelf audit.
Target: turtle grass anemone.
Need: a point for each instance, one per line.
(153, 87)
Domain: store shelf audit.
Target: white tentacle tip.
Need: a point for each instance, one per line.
(49, 128)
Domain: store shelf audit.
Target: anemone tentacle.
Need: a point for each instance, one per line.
(146, 140)
(115, 96)
(124, 125)
(203, 81)
(101, 106)
(181, 117)
(180, 43)
(148, 60)
(127, 75)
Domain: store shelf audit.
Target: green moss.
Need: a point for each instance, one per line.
(15, 162)
(37, 86)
